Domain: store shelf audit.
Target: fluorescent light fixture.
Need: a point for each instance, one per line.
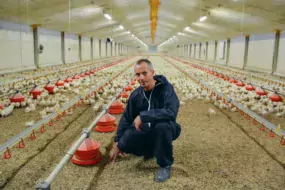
(133, 35)
(107, 16)
(179, 33)
(187, 28)
(203, 18)
(121, 27)
(128, 32)
(174, 36)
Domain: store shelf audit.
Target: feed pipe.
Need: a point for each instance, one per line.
(253, 84)
(256, 117)
(44, 74)
(224, 67)
(11, 142)
(18, 90)
(85, 134)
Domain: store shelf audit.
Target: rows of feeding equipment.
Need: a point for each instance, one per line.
(88, 152)
(44, 71)
(267, 104)
(46, 98)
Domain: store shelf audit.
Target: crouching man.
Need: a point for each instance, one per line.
(148, 125)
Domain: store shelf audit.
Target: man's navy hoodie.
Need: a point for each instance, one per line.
(161, 105)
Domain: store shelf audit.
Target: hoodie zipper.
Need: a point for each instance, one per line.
(149, 101)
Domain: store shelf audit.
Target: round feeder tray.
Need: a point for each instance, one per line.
(68, 79)
(106, 119)
(82, 75)
(128, 88)
(275, 98)
(261, 92)
(35, 92)
(1, 106)
(117, 104)
(105, 128)
(124, 94)
(92, 161)
(240, 83)
(76, 77)
(232, 80)
(49, 88)
(59, 83)
(87, 73)
(17, 98)
(116, 111)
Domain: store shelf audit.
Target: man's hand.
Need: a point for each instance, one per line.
(138, 123)
(115, 152)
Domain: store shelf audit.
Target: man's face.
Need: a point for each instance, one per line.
(144, 74)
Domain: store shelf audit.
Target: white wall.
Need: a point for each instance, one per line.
(280, 70)
(96, 48)
(72, 54)
(103, 48)
(51, 40)
(16, 47)
(203, 51)
(237, 48)
(221, 52)
(108, 49)
(198, 51)
(85, 49)
(211, 51)
(192, 51)
(260, 52)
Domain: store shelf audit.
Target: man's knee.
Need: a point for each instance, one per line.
(168, 128)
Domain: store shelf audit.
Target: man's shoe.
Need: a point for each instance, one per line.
(163, 174)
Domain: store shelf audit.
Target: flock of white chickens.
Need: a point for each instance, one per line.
(46, 103)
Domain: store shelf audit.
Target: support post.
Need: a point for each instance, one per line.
(207, 47)
(276, 50)
(91, 43)
(100, 48)
(245, 51)
(36, 45)
(62, 37)
(200, 50)
(228, 50)
(215, 52)
(80, 47)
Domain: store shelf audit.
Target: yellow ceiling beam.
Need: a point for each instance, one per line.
(153, 16)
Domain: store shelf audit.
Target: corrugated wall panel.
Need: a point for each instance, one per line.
(237, 48)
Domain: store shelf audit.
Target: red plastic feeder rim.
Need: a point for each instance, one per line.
(87, 153)
(68, 79)
(17, 98)
(249, 87)
(87, 73)
(76, 77)
(59, 83)
(49, 88)
(261, 92)
(275, 97)
(106, 119)
(240, 83)
(117, 104)
(232, 80)
(105, 128)
(128, 88)
(124, 94)
(82, 75)
(35, 92)
(1, 106)
(116, 110)
(92, 71)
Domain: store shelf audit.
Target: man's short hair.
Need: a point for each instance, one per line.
(149, 64)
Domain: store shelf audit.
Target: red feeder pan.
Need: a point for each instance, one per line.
(239, 83)
(68, 79)
(1, 106)
(116, 108)
(124, 94)
(261, 92)
(17, 98)
(87, 153)
(128, 88)
(59, 83)
(82, 75)
(275, 98)
(49, 88)
(87, 73)
(35, 92)
(133, 83)
(249, 87)
(232, 80)
(106, 123)
(92, 71)
(76, 77)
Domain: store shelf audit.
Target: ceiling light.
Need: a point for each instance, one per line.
(187, 28)
(174, 36)
(128, 32)
(121, 27)
(179, 33)
(203, 18)
(133, 35)
(107, 16)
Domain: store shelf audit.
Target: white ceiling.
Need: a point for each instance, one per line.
(226, 18)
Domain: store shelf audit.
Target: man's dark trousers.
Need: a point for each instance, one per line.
(155, 140)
